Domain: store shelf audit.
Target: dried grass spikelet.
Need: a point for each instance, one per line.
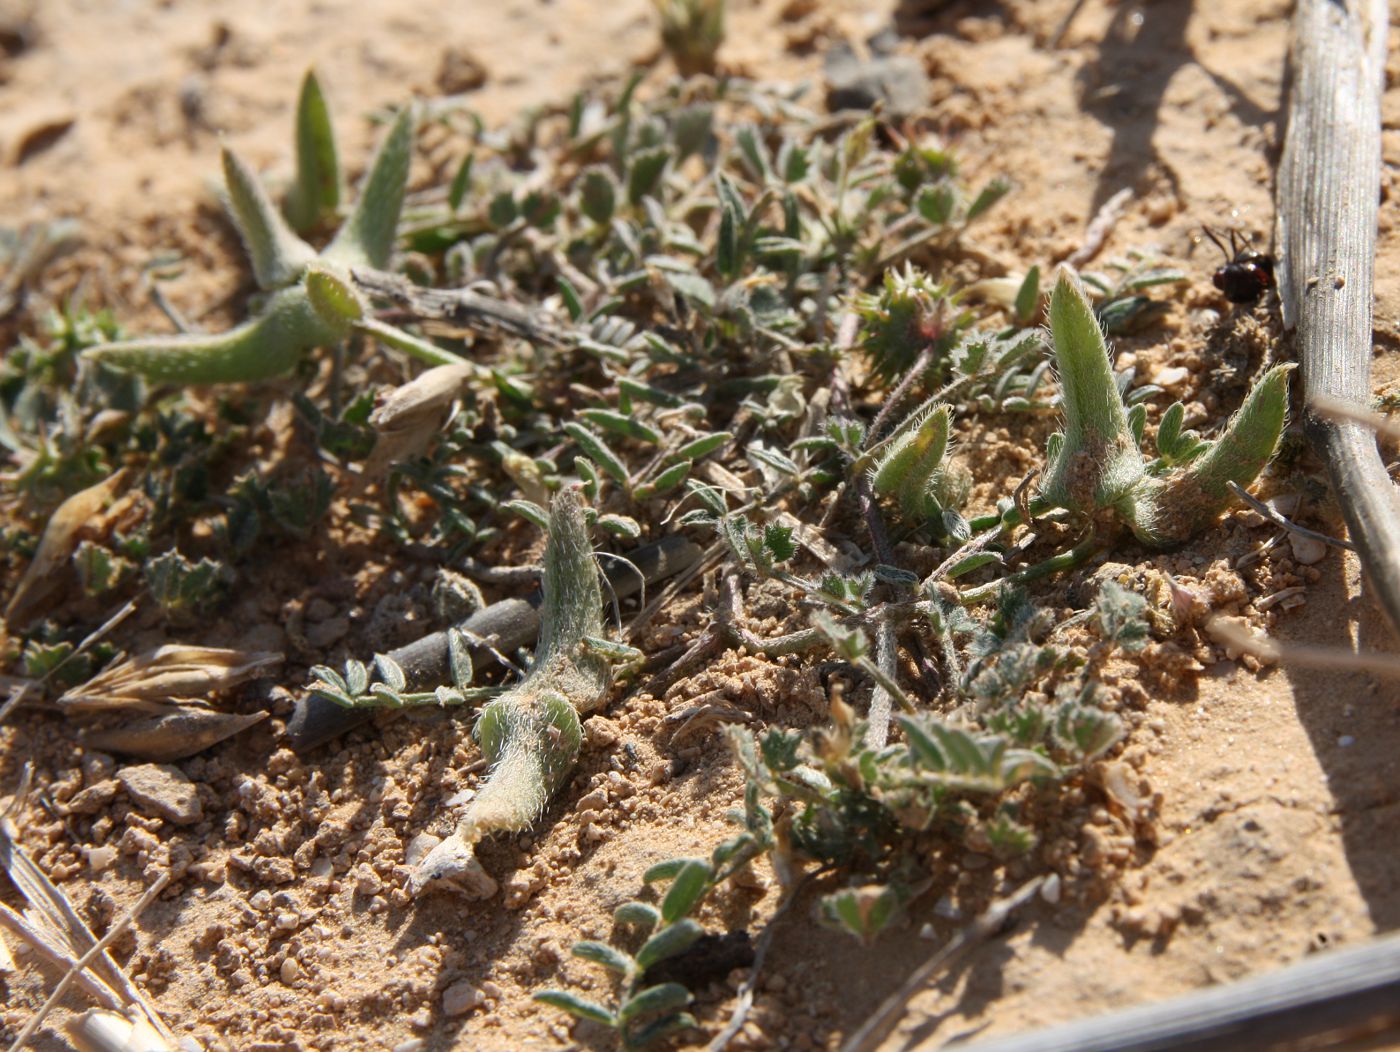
(531, 734)
(53, 929)
(408, 417)
(170, 736)
(74, 517)
(173, 673)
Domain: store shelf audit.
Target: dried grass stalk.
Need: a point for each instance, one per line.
(61, 935)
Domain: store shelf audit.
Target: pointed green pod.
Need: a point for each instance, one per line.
(367, 237)
(262, 347)
(278, 256)
(1171, 510)
(922, 441)
(920, 494)
(532, 734)
(572, 609)
(1098, 462)
(532, 742)
(314, 195)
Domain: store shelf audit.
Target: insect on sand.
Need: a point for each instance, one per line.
(1247, 274)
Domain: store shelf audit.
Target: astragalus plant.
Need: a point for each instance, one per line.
(305, 296)
(531, 733)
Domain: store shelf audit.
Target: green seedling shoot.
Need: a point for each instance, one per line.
(292, 318)
(1096, 467)
(531, 733)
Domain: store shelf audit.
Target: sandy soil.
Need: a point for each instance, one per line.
(1276, 792)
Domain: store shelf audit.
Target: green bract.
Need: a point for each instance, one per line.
(910, 313)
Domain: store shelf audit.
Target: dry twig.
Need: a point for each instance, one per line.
(1328, 194)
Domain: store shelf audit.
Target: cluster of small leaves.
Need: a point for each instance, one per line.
(64, 426)
(663, 271)
(182, 588)
(1026, 710)
(645, 417)
(758, 549)
(644, 1013)
(295, 506)
(57, 662)
(1123, 305)
(908, 316)
(100, 570)
(355, 688)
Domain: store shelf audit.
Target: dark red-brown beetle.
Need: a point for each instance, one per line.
(1247, 273)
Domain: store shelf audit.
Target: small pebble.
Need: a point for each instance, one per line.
(261, 900)
(945, 907)
(594, 801)
(1306, 550)
(419, 847)
(99, 858)
(1171, 376)
(161, 789)
(290, 971)
(460, 998)
(327, 632)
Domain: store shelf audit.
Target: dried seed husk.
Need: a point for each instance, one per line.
(410, 415)
(61, 536)
(97, 1030)
(170, 736)
(149, 681)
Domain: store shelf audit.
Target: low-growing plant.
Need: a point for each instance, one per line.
(645, 1013)
(692, 31)
(531, 734)
(699, 308)
(308, 300)
(1095, 467)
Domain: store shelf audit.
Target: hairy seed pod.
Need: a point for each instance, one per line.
(265, 346)
(315, 193)
(919, 448)
(1098, 462)
(1169, 511)
(312, 303)
(278, 256)
(367, 237)
(531, 734)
